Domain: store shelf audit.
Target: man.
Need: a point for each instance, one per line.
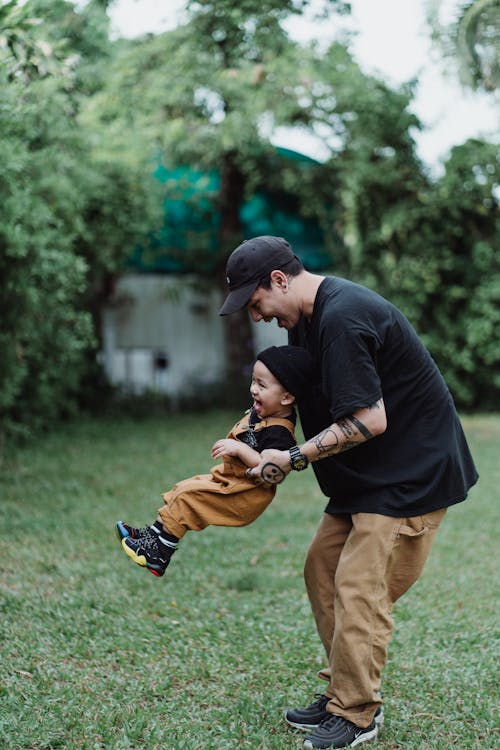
(389, 452)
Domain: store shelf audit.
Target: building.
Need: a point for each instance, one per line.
(161, 328)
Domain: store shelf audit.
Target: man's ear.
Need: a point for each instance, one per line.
(279, 278)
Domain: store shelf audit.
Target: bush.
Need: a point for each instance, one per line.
(44, 330)
(438, 261)
(68, 217)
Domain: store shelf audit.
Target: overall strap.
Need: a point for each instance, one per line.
(243, 425)
(274, 422)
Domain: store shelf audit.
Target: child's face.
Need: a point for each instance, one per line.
(270, 399)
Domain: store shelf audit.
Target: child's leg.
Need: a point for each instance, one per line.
(201, 501)
(194, 504)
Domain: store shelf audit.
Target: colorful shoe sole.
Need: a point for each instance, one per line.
(138, 559)
(141, 560)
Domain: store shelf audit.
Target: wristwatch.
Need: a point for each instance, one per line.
(298, 461)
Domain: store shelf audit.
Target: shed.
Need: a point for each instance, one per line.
(161, 327)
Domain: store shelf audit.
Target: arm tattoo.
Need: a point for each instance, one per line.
(362, 429)
(326, 442)
(353, 433)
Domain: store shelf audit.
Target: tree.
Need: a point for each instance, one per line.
(51, 228)
(373, 160)
(428, 245)
(84, 122)
(438, 262)
(472, 41)
(462, 312)
(201, 95)
(43, 330)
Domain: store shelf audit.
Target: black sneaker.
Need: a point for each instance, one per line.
(335, 731)
(123, 530)
(311, 717)
(145, 551)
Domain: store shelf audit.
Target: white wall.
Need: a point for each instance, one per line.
(152, 315)
(268, 334)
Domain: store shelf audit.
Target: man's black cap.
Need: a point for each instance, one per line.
(252, 261)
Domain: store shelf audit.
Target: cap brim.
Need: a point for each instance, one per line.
(238, 298)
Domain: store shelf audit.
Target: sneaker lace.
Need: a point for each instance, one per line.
(330, 721)
(321, 701)
(148, 539)
(143, 530)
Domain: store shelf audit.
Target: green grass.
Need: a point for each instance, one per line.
(97, 653)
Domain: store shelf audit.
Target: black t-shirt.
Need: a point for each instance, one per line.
(274, 436)
(365, 349)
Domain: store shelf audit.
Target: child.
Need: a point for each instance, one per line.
(227, 496)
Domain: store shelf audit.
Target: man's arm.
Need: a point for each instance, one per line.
(345, 434)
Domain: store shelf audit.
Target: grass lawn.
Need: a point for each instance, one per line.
(97, 653)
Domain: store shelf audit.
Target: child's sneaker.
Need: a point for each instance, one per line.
(146, 551)
(123, 530)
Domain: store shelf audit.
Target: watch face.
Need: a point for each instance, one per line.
(298, 461)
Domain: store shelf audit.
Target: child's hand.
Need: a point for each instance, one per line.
(225, 447)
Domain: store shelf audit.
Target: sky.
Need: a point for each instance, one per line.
(393, 42)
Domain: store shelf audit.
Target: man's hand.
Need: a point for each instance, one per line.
(273, 468)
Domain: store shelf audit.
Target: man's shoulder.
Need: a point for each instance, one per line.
(349, 300)
(338, 287)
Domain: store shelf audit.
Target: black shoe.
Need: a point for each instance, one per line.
(311, 717)
(146, 552)
(123, 530)
(335, 731)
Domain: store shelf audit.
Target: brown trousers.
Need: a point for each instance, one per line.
(356, 568)
(225, 497)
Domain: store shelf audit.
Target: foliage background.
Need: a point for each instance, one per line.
(85, 120)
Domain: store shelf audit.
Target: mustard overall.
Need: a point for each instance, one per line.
(225, 497)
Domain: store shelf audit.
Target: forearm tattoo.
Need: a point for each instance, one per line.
(345, 434)
(326, 442)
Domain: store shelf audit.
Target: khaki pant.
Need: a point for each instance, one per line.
(356, 569)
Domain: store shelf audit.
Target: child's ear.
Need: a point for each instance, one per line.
(287, 399)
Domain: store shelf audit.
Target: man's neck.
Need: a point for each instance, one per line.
(310, 283)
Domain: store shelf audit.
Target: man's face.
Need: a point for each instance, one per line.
(278, 303)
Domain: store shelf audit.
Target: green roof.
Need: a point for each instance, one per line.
(191, 221)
